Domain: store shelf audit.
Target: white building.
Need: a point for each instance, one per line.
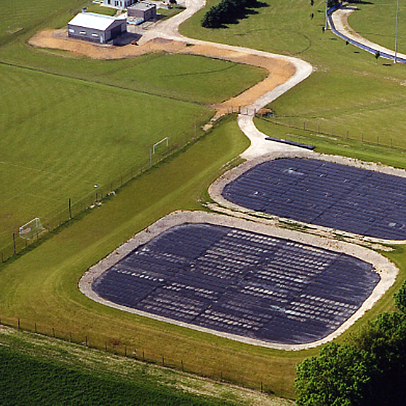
(119, 3)
(96, 27)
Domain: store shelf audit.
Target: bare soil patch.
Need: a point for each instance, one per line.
(279, 70)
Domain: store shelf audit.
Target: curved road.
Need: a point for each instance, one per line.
(338, 20)
(259, 146)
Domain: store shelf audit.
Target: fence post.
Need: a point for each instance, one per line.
(261, 387)
(181, 363)
(70, 209)
(14, 243)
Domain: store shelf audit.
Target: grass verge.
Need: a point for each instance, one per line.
(58, 372)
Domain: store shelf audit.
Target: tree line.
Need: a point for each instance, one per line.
(370, 369)
(227, 12)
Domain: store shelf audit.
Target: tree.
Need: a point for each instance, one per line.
(332, 3)
(400, 298)
(385, 340)
(368, 370)
(337, 377)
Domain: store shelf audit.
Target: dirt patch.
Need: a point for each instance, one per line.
(279, 69)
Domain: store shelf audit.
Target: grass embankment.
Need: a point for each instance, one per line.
(376, 21)
(28, 381)
(57, 372)
(348, 91)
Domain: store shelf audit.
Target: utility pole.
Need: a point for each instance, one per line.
(396, 37)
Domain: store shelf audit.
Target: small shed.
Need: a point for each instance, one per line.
(96, 27)
(143, 9)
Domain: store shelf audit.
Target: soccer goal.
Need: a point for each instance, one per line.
(31, 229)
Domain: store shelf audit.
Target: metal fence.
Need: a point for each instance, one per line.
(130, 350)
(334, 132)
(73, 208)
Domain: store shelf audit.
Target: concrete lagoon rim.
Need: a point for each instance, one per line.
(386, 269)
(217, 187)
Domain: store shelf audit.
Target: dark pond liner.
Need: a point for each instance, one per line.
(327, 194)
(240, 282)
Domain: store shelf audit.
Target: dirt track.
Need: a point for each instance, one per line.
(279, 70)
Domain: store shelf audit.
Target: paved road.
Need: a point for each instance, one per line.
(339, 25)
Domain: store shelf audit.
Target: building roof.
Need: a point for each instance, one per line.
(93, 21)
(142, 5)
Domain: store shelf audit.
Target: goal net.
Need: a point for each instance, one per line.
(31, 229)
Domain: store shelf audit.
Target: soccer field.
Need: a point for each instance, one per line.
(61, 137)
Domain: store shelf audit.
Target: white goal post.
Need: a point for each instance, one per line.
(31, 229)
(159, 142)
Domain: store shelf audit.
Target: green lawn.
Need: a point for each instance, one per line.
(62, 372)
(348, 91)
(61, 136)
(377, 22)
(20, 17)
(28, 381)
(71, 123)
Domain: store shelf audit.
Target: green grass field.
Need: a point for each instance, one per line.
(349, 90)
(84, 123)
(60, 372)
(65, 136)
(377, 22)
(28, 381)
